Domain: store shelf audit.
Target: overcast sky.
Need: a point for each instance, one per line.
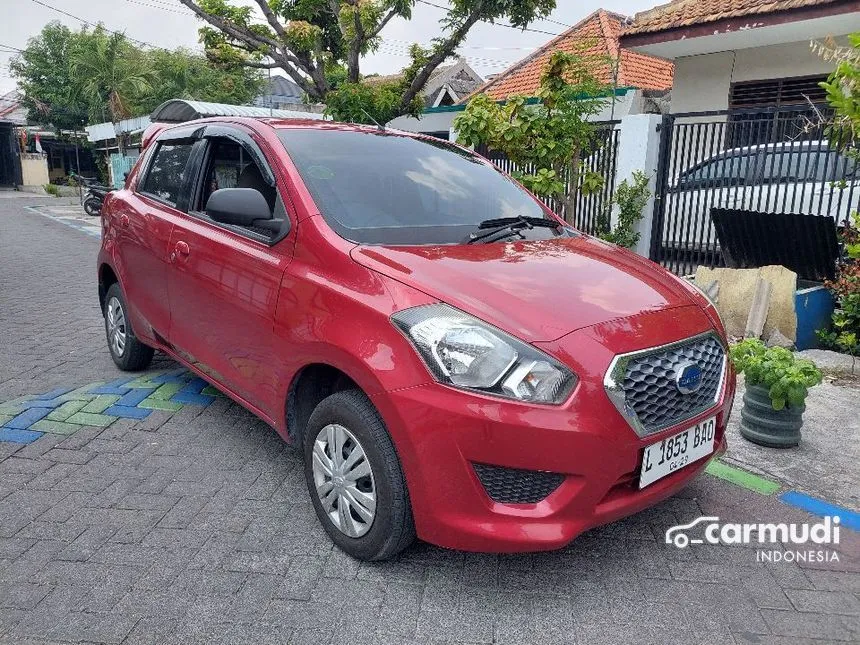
(166, 23)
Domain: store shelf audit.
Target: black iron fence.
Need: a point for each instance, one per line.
(775, 160)
(593, 208)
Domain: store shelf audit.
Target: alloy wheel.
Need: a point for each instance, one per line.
(116, 328)
(344, 480)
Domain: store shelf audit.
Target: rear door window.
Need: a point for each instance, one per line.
(167, 171)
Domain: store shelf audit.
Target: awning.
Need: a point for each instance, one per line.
(180, 110)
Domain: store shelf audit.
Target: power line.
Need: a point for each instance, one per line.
(500, 24)
(163, 8)
(95, 25)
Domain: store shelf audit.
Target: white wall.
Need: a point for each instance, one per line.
(702, 82)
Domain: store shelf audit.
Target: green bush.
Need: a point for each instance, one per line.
(787, 377)
(52, 190)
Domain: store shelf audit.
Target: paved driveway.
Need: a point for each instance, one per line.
(147, 509)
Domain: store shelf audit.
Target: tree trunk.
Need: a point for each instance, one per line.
(570, 197)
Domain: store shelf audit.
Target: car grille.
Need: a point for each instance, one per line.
(514, 486)
(642, 384)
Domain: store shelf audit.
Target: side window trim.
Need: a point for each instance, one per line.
(250, 146)
(195, 189)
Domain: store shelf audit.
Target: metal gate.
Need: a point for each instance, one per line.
(772, 160)
(592, 211)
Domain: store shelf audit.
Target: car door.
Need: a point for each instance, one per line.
(224, 279)
(143, 224)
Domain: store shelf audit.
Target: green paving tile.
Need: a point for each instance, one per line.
(101, 403)
(742, 478)
(212, 391)
(90, 419)
(66, 410)
(167, 390)
(6, 417)
(55, 427)
(82, 393)
(152, 403)
(13, 406)
(144, 381)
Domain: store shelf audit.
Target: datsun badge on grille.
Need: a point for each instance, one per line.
(688, 378)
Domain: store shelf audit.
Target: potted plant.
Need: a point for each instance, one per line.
(777, 384)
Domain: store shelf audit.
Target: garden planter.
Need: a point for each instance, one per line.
(763, 425)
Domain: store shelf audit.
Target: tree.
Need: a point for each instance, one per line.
(549, 138)
(109, 74)
(309, 38)
(45, 79)
(70, 78)
(180, 74)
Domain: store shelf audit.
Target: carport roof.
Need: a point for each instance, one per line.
(180, 110)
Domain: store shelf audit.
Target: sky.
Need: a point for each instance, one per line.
(166, 23)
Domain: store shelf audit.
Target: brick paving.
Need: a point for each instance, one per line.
(193, 524)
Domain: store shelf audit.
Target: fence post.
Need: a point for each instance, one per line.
(638, 149)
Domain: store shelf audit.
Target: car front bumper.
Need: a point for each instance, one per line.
(441, 433)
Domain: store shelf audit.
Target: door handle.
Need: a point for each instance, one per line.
(180, 250)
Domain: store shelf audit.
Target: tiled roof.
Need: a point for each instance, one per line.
(600, 32)
(688, 13)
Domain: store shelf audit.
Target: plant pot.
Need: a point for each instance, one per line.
(763, 425)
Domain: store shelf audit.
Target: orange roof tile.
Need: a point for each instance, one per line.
(600, 31)
(688, 13)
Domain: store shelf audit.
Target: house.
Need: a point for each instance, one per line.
(595, 35)
(742, 55)
(12, 115)
(642, 81)
(281, 93)
(447, 85)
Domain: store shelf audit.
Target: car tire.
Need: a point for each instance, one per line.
(92, 206)
(349, 415)
(129, 354)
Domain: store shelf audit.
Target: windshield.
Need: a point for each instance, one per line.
(384, 188)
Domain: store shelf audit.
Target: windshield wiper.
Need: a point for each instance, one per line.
(491, 230)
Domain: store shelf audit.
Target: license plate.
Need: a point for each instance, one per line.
(675, 452)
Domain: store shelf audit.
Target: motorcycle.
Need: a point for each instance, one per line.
(95, 195)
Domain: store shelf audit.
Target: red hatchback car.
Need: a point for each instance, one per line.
(452, 359)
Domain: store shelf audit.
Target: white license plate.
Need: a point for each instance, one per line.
(675, 452)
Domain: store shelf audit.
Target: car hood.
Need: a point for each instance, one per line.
(535, 290)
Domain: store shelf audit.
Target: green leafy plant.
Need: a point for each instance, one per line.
(631, 198)
(549, 139)
(787, 377)
(52, 190)
(845, 323)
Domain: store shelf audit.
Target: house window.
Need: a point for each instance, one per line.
(774, 125)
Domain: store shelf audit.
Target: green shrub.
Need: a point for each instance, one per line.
(787, 377)
(52, 190)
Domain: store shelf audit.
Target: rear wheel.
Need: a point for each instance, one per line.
(126, 350)
(355, 480)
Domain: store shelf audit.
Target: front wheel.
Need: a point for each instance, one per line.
(129, 354)
(355, 480)
(92, 206)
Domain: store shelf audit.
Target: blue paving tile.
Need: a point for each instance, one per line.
(192, 398)
(195, 386)
(114, 387)
(135, 396)
(27, 418)
(170, 377)
(42, 403)
(127, 412)
(14, 435)
(53, 394)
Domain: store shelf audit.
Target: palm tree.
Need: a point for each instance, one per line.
(111, 75)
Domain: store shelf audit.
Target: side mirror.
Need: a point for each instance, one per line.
(238, 206)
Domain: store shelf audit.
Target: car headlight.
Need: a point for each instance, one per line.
(462, 351)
